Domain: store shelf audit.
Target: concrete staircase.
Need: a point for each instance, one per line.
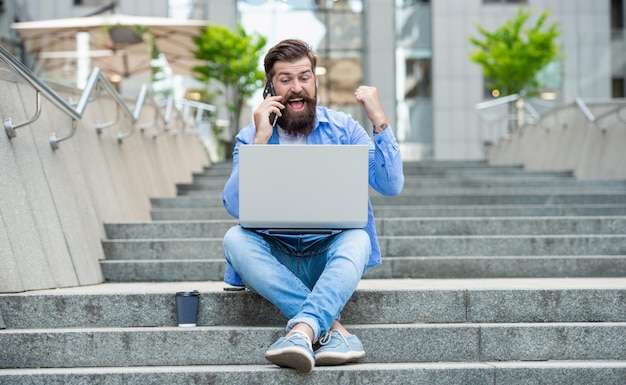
(491, 275)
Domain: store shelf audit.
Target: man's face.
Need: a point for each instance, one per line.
(296, 82)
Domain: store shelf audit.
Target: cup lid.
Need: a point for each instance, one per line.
(188, 293)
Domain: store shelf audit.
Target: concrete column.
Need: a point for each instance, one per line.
(223, 12)
(380, 43)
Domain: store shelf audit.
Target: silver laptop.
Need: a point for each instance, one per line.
(303, 188)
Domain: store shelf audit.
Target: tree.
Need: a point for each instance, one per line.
(512, 56)
(231, 58)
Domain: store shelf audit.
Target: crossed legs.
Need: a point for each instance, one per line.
(309, 290)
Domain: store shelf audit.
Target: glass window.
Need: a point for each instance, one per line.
(617, 14)
(334, 29)
(618, 87)
(187, 9)
(340, 53)
(414, 126)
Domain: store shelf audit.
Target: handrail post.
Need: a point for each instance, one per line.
(54, 142)
(10, 128)
(101, 126)
(586, 111)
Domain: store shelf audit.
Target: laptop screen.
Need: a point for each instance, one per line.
(296, 187)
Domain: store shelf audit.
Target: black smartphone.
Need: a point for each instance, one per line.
(269, 89)
(234, 288)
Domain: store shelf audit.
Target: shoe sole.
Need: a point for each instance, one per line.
(294, 358)
(330, 358)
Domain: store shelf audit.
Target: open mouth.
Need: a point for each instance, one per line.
(296, 104)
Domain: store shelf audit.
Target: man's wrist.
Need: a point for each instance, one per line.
(380, 128)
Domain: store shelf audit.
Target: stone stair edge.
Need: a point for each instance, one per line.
(356, 328)
(478, 373)
(367, 366)
(528, 225)
(388, 237)
(417, 192)
(390, 219)
(429, 302)
(368, 284)
(466, 342)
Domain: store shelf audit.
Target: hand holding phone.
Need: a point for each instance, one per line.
(269, 90)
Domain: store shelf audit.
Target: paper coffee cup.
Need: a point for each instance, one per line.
(187, 308)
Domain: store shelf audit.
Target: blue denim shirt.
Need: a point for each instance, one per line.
(332, 127)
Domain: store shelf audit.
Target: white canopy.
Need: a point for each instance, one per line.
(53, 43)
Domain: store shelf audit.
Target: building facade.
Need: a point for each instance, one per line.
(416, 52)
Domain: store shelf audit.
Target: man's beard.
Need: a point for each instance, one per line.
(301, 122)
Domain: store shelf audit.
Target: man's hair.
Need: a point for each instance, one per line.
(289, 50)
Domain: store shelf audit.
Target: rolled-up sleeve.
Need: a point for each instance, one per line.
(386, 175)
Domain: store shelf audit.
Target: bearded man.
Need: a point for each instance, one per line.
(309, 277)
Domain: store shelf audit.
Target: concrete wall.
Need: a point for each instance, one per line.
(54, 203)
(568, 141)
(458, 83)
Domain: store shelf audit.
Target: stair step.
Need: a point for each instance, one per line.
(206, 345)
(440, 373)
(503, 171)
(452, 191)
(163, 270)
(392, 226)
(411, 169)
(441, 301)
(492, 210)
(203, 182)
(394, 246)
(499, 267)
(534, 245)
(392, 268)
(499, 199)
(168, 229)
(503, 226)
(199, 190)
(179, 214)
(162, 249)
(438, 199)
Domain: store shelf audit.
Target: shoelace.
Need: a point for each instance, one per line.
(325, 339)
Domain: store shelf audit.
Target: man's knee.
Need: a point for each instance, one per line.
(356, 245)
(232, 235)
(361, 241)
(232, 241)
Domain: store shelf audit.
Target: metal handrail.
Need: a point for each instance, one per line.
(538, 118)
(199, 106)
(480, 107)
(170, 107)
(157, 113)
(596, 119)
(497, 102)
(76, 113)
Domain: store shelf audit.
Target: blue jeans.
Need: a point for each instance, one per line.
(310, 278)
